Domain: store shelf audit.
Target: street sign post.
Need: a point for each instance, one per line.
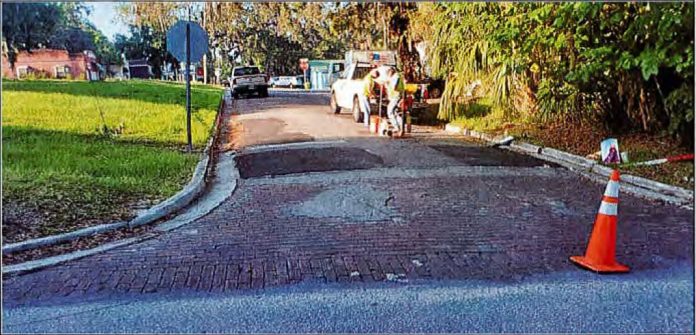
(187, 41)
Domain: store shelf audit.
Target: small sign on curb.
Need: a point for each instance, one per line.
(610, 151)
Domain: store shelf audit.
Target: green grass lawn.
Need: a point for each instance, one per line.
(480, 116)
(79, 153)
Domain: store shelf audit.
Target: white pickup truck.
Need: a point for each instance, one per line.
(247, 80)
(345, 91)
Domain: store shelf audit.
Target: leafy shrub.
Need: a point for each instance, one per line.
(627, 65)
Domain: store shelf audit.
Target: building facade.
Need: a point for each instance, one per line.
(322, 73)
(54, 64)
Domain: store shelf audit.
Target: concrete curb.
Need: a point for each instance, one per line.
(55, 239)
(639, 186)
(167, 207)
(223, 188)
(194, 188)
(54, 260)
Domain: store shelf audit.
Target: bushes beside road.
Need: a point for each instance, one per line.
(568, 75)
(624, 66)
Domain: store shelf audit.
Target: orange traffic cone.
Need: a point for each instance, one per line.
(601, 250)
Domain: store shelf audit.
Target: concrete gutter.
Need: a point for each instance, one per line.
(222, 188)
(167, 207)
(639, 186)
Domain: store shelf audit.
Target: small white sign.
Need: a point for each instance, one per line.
(610, 151)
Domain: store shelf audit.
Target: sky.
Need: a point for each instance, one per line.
(103, 16)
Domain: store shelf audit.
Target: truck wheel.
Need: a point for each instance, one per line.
(335, 108)
(357, 114)
(263, 93)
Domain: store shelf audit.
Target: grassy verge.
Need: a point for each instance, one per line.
(584, 139)
(481, 116)
(77, 154)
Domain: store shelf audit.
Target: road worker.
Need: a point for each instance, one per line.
(395, 92)
(369, 84)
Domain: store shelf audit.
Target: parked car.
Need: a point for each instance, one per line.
(288, 81)
(272, 81)
(247, 80)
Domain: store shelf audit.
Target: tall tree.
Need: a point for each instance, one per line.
(149, 22)
(276, 35)
(27, 26)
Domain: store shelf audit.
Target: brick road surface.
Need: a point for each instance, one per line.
(449, 219)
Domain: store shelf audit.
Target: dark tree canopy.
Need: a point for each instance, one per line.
(28, 26)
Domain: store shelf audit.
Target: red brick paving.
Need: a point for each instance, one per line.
(456, 232)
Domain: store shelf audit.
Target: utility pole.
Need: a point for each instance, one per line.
(205, 57)
(385, 43)
(188, 81)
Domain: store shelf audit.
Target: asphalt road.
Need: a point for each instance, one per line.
(573, 302)
(333, 229)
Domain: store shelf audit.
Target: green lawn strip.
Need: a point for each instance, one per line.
(583, 140)
(60, 164)
(139, 110)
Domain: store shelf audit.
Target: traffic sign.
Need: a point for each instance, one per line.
(304, 64)
(176, 41)
(187, 41)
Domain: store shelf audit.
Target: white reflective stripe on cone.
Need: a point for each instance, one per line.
(608, 208)
(612, 189)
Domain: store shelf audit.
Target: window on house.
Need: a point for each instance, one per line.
(22, 71)
(62, 71)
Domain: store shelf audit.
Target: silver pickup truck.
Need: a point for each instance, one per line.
(247, 80)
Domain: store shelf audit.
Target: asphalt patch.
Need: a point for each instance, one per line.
(273, 163)
(357, 203)
(485, 156)
(263, 132)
